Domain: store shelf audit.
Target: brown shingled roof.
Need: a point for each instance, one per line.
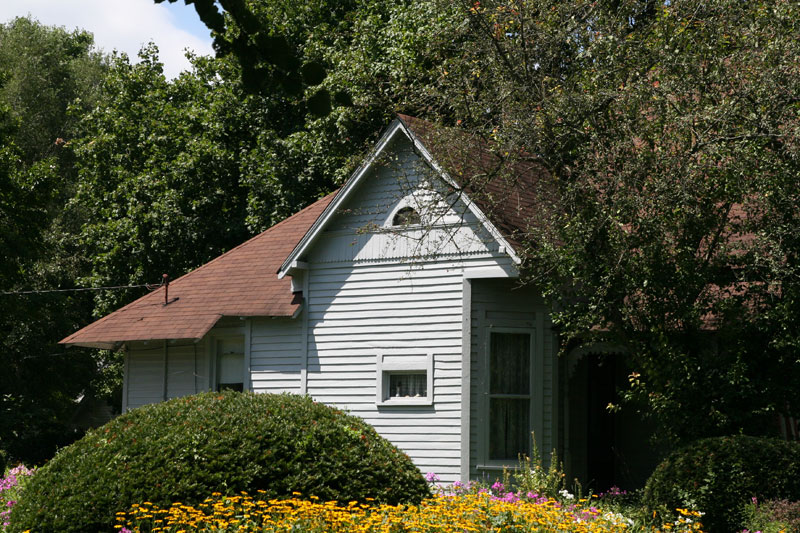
(240, 282)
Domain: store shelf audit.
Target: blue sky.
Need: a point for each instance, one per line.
(124, 25)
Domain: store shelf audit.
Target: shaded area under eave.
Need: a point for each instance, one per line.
(240, 283)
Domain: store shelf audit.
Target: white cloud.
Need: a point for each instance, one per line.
(123, 25)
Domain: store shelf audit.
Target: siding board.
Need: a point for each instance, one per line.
(276, 355)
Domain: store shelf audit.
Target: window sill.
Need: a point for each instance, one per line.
(498, 467)
(405, 402)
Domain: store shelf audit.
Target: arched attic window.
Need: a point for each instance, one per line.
(407, 216)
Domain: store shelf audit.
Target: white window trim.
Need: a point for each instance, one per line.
(414, 361)
(411, 202)
(496, 464)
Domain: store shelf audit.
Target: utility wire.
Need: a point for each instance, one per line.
(80, 289)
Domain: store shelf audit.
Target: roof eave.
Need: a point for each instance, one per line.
(100, 345)
(397, 125)
(355, 178)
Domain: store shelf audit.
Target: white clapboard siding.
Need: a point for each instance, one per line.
(182, 368)
(276, 355)
(347, 333)
(145, 374)
(499, 303)
(358, 310)
(185, 364)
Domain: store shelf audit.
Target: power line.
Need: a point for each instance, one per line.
(81, 289)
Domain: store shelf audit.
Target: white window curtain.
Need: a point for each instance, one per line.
(509, 395)
(408, 385)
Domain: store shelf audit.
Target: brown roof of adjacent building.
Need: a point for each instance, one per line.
(240, 282)
(514, 190)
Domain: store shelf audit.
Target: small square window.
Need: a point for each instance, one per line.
(404, 378)
(408, 385)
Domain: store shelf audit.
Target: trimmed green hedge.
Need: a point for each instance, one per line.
(187, 448)
(720, 475)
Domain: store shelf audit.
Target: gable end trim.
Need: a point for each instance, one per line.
(345, 192)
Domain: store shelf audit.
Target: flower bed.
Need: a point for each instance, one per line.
(462, 510)
(11, 485)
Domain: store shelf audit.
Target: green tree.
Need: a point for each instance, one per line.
(47, 69)
(44, 71)
(671, 131)
(158, 177)
(37, 386)
(174, 172)
(270, 60)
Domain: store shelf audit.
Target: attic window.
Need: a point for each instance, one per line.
(406, 216)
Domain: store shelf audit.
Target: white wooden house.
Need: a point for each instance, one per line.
(395, 298)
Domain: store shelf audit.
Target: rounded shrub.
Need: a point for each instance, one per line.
(720, 475)
(187, 448)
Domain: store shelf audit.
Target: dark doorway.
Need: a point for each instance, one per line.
(606, 449)
(601, 453)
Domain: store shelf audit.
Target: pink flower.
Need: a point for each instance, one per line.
(510, 498)
(431, 477)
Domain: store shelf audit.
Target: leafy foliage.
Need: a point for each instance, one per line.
(671, 130)
(533, 477)
(43, 71)
(47, 69)
(719, 475)
(187, 448)
(772, 516)
(270, 60)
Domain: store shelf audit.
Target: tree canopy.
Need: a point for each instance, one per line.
(148, 175)
(671, 130)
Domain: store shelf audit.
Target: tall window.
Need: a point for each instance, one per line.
(509, 395)
(230, 364)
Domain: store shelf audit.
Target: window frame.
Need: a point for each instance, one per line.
(403, 361)
(214, 359)
(389, 223)
(413, 213)
(486, 463)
